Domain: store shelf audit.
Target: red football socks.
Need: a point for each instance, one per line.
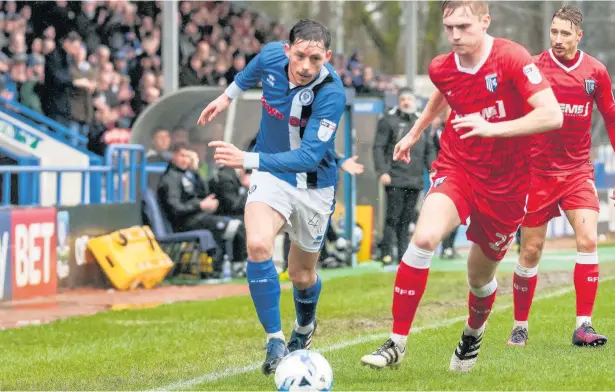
(524, 287)
(410, 284)
(586, 273)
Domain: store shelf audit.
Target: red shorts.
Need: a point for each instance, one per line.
(549, 193)
(493, 222)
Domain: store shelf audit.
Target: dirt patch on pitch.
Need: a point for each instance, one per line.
(433, 309)
(89, 301)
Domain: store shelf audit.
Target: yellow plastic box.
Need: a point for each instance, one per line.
(130, 257)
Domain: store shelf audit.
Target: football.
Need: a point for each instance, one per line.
(304, 370)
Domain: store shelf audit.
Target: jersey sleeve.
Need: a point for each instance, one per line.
(526, 76)
(318, 137)
(434, 70)
(605, 102)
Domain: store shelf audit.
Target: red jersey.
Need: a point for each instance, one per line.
(576, 84)
(497, 88)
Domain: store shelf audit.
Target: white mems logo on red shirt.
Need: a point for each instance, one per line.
(578, 110)
(496, 111)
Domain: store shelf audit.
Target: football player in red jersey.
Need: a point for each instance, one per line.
(563, 175)
(497, 97)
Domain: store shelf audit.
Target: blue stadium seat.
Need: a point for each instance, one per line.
(164, 234)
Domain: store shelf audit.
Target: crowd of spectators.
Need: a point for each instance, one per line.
(95, 65)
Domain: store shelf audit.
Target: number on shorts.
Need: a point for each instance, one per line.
(504, 242)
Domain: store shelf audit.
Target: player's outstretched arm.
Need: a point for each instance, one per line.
(546, 116)
(318, 137)
(433, 108)
(244, 80)
(534, 88)
(606, 103)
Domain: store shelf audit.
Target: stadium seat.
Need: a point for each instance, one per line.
(173, 241)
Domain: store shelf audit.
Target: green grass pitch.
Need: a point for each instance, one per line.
(219, 345)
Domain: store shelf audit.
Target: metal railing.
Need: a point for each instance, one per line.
(48, 126)
(122, 163)
(34, 182)
(125, 159)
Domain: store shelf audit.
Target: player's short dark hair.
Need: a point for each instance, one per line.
(479, 8)
(570, 14)
(310, 30)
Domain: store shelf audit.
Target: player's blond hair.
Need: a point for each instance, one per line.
(570, 14)
(478, 8)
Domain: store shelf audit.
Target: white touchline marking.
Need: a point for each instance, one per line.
(214, 376)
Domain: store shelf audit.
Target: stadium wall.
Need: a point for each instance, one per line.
(43, 249)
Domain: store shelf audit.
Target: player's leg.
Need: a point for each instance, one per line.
(306, 292)
(582, 205)
(543, 205)
(483, 288)
(492, 230)
(310, 221)
(525, 278)
(444, 209)
(267, 210)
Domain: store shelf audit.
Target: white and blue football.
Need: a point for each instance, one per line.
(304, 370)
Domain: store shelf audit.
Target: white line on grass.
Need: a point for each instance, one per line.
(214, 376)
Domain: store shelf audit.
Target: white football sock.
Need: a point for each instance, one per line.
(474, 332)
(583, 319)
(305, 329)
(279, 335)
(399, 340)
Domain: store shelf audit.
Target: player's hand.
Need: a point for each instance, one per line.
(385, 179)
(210, 203)
(402, 148)
(216, 107)
(477, 125)
(352, 167)
(227, 154)
(613, 195)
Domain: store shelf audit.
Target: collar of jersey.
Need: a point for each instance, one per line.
(562, 66)
(321, 76)
(477, 67)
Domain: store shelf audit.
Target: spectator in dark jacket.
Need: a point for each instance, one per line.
(403, 182)
(59, 82)
(231, 189)
(191, 73)
(188, 204)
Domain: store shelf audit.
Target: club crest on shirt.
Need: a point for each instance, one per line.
(590, 86)
(491, 81)
(306, 96)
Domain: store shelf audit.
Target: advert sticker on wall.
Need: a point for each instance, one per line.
(34, 239)
(5, 255)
